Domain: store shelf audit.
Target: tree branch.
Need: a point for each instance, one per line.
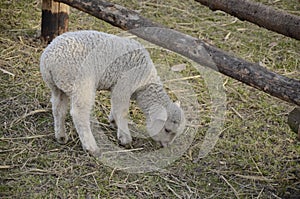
(259, 14)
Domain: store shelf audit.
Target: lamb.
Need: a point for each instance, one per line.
(76, 64)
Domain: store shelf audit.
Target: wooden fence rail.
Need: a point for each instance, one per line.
(249, 73)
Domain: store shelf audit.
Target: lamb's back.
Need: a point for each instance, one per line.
(75, 56)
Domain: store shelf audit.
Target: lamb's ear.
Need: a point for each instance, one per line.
(157, 119)
(177, 103)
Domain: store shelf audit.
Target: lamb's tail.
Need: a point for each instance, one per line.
(45, 69)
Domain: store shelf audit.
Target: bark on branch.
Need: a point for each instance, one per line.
(252, 74)
(259, 14)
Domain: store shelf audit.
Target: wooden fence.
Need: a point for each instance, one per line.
(55, 18)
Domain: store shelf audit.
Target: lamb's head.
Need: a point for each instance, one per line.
(165, 124)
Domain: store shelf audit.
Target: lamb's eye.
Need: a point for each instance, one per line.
(167, 130)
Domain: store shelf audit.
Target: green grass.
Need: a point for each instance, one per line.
(257, 155)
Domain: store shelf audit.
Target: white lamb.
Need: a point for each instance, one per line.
(76, 64)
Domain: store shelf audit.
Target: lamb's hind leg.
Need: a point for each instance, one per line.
(81, 105)
(59, 107)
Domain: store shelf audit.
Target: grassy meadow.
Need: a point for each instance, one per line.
(256, 156)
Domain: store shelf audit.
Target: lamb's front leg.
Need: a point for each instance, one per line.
(81, 105)
(120, 101)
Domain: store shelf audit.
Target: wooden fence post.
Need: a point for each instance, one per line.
(294, 121)
(55, 18)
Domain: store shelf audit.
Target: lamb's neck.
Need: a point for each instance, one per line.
(151, 94)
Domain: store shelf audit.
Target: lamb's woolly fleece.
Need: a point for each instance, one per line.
(76, 64)
(93, 55)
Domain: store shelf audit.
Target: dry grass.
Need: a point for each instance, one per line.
(257, 156)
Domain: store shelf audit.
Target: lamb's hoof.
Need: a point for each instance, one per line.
(63, 139)
(124, 139)
(94, 151)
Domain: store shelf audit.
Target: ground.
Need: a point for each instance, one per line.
(256, 156)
